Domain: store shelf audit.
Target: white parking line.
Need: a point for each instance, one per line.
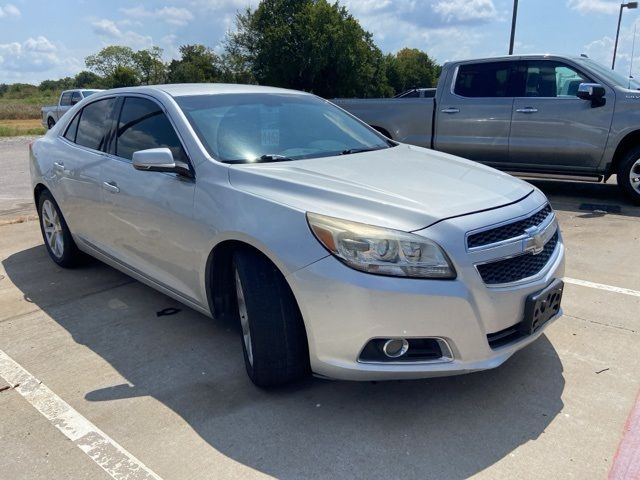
(602, 286)
(102, 449)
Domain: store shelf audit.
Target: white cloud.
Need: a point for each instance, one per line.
(33, 55)
(595, 6)
(177, 16)
(109, 32)
(465, 10)
(9, 10)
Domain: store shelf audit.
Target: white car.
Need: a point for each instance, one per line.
(339, 252)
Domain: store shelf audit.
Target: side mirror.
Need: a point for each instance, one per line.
(159, 160)
(593, 92)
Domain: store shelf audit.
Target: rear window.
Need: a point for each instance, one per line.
(493, 79)
(95, 123)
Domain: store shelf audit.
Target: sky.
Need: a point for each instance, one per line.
(49, 39)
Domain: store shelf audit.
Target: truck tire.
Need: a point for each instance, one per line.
(56, 234)
(50, 123)
(629, 175)
(274, 341)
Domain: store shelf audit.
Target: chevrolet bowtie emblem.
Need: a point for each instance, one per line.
(538, 238)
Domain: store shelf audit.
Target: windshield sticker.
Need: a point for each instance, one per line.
(270, 137)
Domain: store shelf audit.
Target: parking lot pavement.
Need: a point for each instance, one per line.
(16, 200)
(172, 392)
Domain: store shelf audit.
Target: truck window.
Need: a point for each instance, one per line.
(94, 124)
(552, 79)
(488, 79)
(75, 98)
(144, 125)
(65, 99)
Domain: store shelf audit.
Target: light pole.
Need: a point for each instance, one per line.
(513, 25)
(629, 5)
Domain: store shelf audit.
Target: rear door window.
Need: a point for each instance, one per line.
(95, 123)
(144, 125)
(65, 99)
(489, 80)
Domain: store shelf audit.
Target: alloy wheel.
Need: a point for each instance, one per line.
(244, 319)
(52, 227)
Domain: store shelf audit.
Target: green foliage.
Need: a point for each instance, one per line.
(107, 60)
(151, 69)
(87, 79)
(411, 68)
(55, 85)
(197, 64)
(308, 45)
(122, 77)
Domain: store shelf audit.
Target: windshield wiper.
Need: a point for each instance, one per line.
(349, 151)
(271, 157)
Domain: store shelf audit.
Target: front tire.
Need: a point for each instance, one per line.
(55, 232)
(274, 340)
(629, 175)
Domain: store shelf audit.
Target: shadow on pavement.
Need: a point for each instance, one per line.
(438, 428)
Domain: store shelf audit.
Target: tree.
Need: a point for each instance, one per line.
(107, 60)
(150, 66)
(411, 68)
(62, 84)
(87, 79)
(197, 64)
(123, 77)
(308, 45)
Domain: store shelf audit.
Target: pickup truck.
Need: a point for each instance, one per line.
(68, 98)
(531, 115)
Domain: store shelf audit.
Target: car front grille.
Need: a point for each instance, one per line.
(518, 268)
(508, 231)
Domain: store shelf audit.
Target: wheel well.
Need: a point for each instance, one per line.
(632, 139)
(220, 282)
(382, 131)
(37, 192)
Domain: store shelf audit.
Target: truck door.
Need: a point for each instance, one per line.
(551, 128)
(473, 116)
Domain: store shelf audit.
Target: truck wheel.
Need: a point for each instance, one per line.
(50, 123)
(56, 234)
(274, 341)
(629, 175)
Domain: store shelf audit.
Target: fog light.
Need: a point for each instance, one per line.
(395, 347)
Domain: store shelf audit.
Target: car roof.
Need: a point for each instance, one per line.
(186, 89)
(529, 56)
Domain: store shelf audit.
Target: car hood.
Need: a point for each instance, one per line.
(404, 187)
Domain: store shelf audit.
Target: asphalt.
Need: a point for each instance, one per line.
(172, 391)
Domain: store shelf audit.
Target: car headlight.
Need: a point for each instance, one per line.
(381, 250)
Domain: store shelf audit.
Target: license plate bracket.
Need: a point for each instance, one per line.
(542, 306)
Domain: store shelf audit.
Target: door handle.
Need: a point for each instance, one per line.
(58, 166)
(527, 110)
(110, 187)
(450, 110)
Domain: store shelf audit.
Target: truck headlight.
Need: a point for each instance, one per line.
(381, 250)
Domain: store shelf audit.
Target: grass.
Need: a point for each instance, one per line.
(13, 128)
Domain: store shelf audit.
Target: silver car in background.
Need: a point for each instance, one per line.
(338, 251)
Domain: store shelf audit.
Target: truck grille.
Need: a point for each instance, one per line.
(517, 268)
(508, 231)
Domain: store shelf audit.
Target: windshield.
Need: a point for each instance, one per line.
(241, 128)
(86, 93)
(612, 76)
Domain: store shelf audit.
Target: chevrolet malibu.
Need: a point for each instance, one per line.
(338, 251)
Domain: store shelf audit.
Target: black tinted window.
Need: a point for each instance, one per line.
(75, 98)
(94, 124)
(65, 99)
(144, 125)
(499, 79)
(72, 129)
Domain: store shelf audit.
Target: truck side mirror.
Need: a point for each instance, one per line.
(593, 92)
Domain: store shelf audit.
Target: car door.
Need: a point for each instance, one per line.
(63, 105)
(149, 225)
(551, 128)
(76, 168)
(473, 116)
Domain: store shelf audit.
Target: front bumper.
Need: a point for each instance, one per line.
(344, 309)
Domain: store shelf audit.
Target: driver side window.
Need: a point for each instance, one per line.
(552, 79)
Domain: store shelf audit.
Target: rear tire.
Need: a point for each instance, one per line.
(56, 234)
(629, 175)
(50, 123)
(274, 340)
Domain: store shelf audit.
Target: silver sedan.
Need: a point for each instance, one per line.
(338, 251)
